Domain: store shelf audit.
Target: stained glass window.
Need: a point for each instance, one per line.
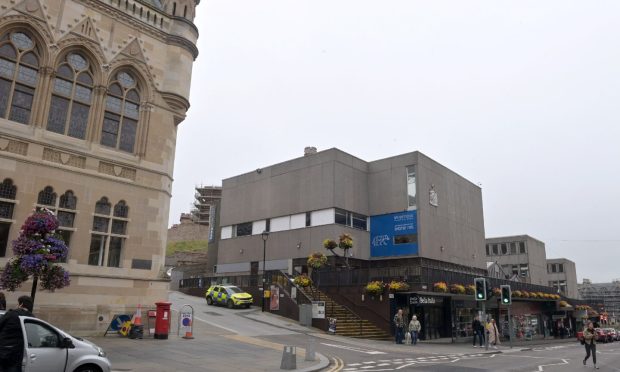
(103, 206)
(7, 189)
(19, 75)
(47, 196)
(68, 200)
(106, 246)
(70, 105)
(121, 209)
(120, 122)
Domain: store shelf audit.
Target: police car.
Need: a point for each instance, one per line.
(228, 295)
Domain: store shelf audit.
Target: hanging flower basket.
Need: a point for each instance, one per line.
(458, 289)
(330, 244)
(302, 281)
(517, 294)
(317, 260)
(470, 289)
(374, 288)
(345, 241)
(497, 292)
(441, 287)
(564, 304)
(398, 286)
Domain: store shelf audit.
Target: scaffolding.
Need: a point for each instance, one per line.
(204, 207)
(605, 296)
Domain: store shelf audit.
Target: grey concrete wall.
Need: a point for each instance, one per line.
(283, 244)
(535, 256)
(323, 180)
(569, 275)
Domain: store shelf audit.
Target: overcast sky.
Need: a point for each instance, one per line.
(522, 97)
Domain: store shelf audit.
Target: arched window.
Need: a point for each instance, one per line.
(120, 121)
(109, 233)
(72, 96)
(8, 191)
(19, 65)
(47, 197)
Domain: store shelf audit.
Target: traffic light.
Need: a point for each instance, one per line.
(481, 289)
(506, 295)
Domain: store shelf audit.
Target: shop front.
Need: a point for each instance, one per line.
(432, 310)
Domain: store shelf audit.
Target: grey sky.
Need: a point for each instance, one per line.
(519, 96)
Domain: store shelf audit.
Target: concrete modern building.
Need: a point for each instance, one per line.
(91, 93)
(406, 206)
(562, 275)
(521, 256)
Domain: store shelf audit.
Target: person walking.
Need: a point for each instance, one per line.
(478, 330)
(589, 336)
(2, 301)
(414, 329)
(399, 323)
(493, 333)
(11, 336)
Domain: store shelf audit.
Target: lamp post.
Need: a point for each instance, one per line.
(265, 236)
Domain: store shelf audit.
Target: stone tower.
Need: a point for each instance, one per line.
(91, 93)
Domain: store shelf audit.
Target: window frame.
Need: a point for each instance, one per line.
(122, 120)
(108, 235)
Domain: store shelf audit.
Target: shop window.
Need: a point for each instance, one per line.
(19, 75)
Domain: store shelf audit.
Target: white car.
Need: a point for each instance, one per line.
(49, 349)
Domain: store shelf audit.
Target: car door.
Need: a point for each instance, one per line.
(43, 351)
(219, 293)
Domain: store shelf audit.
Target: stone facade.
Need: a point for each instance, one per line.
(521, 256)
(91, 93)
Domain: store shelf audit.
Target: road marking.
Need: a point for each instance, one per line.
(351, 348)
(405, 365)
(541, 368)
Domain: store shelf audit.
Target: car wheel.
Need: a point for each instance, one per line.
(230, 304)
(209, 301)
(88, 368)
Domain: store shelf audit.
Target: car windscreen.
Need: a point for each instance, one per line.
(235, 289)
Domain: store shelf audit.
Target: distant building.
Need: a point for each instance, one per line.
(562, 275)
(521, 256)
(207, 199)
(605, 294)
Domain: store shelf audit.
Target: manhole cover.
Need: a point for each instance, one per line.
(212, 313)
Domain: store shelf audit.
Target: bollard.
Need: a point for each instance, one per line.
(311, 350)
(289, 358)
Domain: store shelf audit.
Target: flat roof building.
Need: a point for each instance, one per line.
(406, 206)
(562, 275)
(519, 256)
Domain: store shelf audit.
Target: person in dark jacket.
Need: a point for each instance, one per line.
(478, 331)
(2, 301)
(12, 337)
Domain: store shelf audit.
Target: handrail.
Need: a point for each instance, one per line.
(292, 284)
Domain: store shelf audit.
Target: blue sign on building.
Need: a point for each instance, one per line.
(394, 234)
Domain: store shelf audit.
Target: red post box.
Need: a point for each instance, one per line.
(162, 320)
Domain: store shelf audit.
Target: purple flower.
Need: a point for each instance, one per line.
(24, 245)
(33, 264)
(54, 277)
(40, 222)
(12, 276)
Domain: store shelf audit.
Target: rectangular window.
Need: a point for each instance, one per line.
(553, 268)
(515, 269)
(6, 210)
(495, 249)
(65, 219)
(243, 229)
(66, 236)
(522, 247)
(411, 189)
(97, 247)
(141, 264)
(4, 237)
(504, 248)
(488, 250)
(341, 216)
(100, 224)
(109, 132)
(524, 270)
(22, 104)
(560, 268)
(114, 253)
(119, 227)
(79, 119)
(513, 248)
(405, 239)
(359, 221)
(58, 115)
(268, 225)
(128, 135)
(308, 219)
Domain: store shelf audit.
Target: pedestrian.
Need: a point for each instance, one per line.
(11, 336)
(589, 336)
(493, 333)
(399, 323)
(478, 330)
(2, 301)
(414, 329)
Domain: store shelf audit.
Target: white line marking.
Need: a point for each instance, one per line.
(405, 366)
(371, 352)
(541, 368)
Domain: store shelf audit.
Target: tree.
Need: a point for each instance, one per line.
(345, 242)
(37, 251)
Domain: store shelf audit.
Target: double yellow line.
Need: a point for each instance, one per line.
(338, 365)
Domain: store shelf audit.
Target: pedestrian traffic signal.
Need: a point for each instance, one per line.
(481, 289)
(506, 295)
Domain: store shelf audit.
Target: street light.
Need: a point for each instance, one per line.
(265, 236)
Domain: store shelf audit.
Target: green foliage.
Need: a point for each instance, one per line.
(186, 246)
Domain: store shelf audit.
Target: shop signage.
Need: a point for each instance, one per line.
(394, 234)
(318, 309)
(425, 300)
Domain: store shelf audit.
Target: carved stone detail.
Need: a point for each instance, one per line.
(117, 170)
(14, 146)
(64, 158)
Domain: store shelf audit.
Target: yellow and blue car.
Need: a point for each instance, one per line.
(228, 295)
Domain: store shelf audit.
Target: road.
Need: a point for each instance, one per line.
(361, 355)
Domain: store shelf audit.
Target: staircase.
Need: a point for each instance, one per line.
(348, 323)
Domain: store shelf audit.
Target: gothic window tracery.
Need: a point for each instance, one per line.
(122, 108)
